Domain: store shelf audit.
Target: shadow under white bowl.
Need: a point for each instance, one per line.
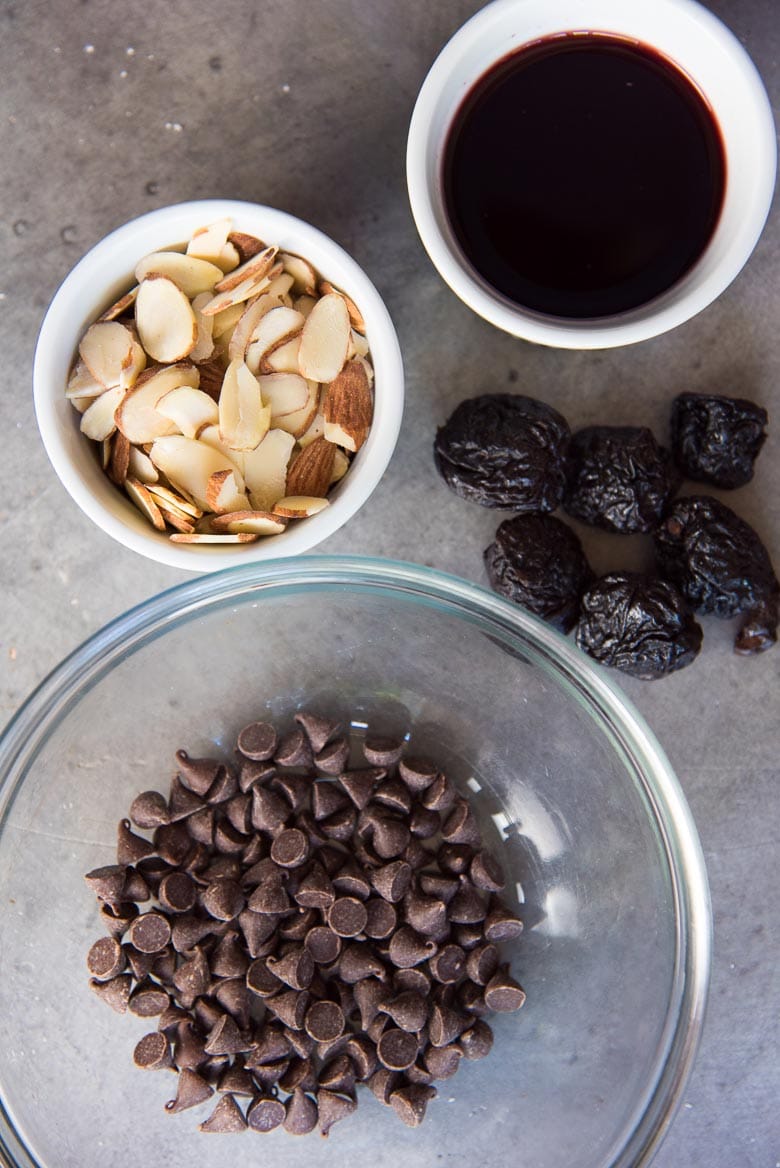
(106, 272)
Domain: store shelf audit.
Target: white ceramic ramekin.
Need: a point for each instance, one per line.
(700, 45)
(102, 275)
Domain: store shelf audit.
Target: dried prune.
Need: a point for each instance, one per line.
(720, 565)
(504, 450)
(538, 562)
(619, 478)
(717, 439)
(638, 624)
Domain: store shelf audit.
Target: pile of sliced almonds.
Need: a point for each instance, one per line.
(228, 389)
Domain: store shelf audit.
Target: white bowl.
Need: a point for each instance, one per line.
(682, 31)
(101, 276)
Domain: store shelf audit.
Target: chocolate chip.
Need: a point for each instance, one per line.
(220, 868)
(370, 996)
(269, 1074)
(409, 1011)
(352, 881)
(224, 787)
(409, 1103)
(153, 1052)
(238, 812)
(188, 1048)
(301, 1043)
(324, 1021)
(332, 1108)
(269, 811)
(290, 1008)
(397, 1049)
(290, 848)
(418, 1073)
(115, 993)
(477, 1041)
(407, 948)
(413, 978)
(117, 917)
(148, 1000)
(416, 855)
(269, 897)
(171, 1017)
(359, 961)
(197, 774)
(360, 784)
(454, 859)
(149, 933)
(468, 936)
(423, 823)
(323, 944)
(229, 958)
(317, 729)
(236, 1079)
(207, 1013)
(460, 826)
(502, 993)
(106, 959)
(392, 880)
(233, 995)
(440, 795)
(363, 1054)
(107, 882)
(250, 773)
(193, 977)
(301, 1115)
(187, 931)
(382, 752)
(177, 892)
(339, 826)
(149, 810)
(347, 916)
(257, 741)
(257, 929)
(381, 918)
(191, 1091)
(225, 1038)
(468, 906)
(443, 1061)
(425, 914)
(444, 1025)
(338, 1075)
(298, 926)
(448, 964)
(501, 924)
(295, 968)
(223, 900)
(486, 872)
(265, 1114)
(327, 799)
(226, 1118)
(201, 826)
(173, 842)
(271, 1046)
(332, 759)
(296, 789)
(482, 963)
(471, 998)
(394, 794)
(299, 1076)
(382, 1084)
(390, 838)
(294, 750)
(182, 802)
(130, 848)
(417, 773)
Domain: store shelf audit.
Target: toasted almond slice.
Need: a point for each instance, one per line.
(273, 329)
(107, 350)
(174, 502)
(189, 464)
(246, 245)
(243, 291)
(254, 268)
(119, 463)
(120, 306)
(324, 339)
(210, 435)
(243, 419)
(177, 520)
(137, 417)
(310, 473)
(208, 537)
(355, 315)
(204, 345)
(285, 393)
(189, 408)
(251, 316)
(141, 467)
(304, 304)
(98, 421)
(316, 429)
(299, 506)
(145, 503)
(340, 464)
(134, 366)
(265, 469)
(348, 407)
(190, 274)
(282, 359)
(81, 383)
(223, 492)
(302, 272)
(280, 287)
(207, 242)
(298, 421)
(259, 522)
(165, 320)
(226, 321)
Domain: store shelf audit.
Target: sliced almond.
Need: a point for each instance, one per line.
(98, 421)
(165, 320)
(189, 273)
(359, 344)
(315, 430)
(119, 463)
(204, 345)
(189, 409)
(348, 407)
(207, 242)
(252, 314)
(243, 418)
(137, 417)
(258, 522)
(134, 365)
(208, 537)
(226, 321)
(177, 520)
(282, 359)
(340, 465)
(167, 498)
(141, 467)
(145, 503)
(224, 494)
(189, 464)
(107, 350)
(304, 304)
(246, 245)
(81, 383)
(265, 469)
(297, 422)
(242, 292)
(254, 268)
(82, 404)
(355, 315)
(302, 272)
(273, 329)
(310, 473)
(120, 306)
(280, 286)
(325, 339)
(299, 506)
(285, 393)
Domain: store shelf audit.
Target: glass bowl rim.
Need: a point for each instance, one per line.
(631, 736)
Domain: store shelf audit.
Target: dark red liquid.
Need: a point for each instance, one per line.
(583, 175)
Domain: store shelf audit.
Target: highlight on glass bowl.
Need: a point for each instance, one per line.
(391, 810)
(218, 382)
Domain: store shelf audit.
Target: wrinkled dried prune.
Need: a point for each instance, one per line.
(717, 439)
(638, 624)
(619, 478)
(504, 450)
(720, 565)
(538, 562)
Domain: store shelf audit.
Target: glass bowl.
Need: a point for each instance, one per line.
(571, 788)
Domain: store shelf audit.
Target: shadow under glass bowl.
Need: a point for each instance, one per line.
(573, 793)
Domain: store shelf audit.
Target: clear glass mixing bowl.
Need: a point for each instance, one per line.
(573, 791)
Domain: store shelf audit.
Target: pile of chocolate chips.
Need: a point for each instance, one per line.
(307, 925)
